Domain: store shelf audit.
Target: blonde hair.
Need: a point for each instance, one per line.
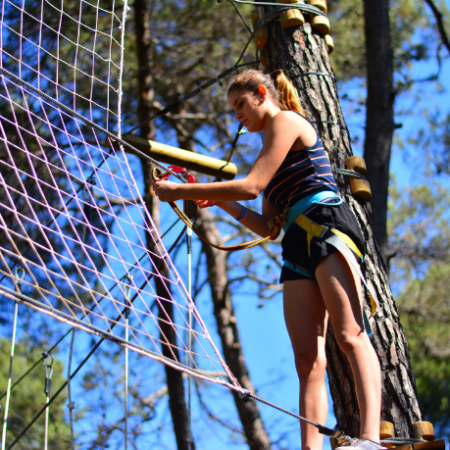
(278, 85)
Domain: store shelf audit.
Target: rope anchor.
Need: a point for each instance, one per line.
(48, 371)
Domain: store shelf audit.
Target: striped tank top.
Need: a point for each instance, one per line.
(303, 172)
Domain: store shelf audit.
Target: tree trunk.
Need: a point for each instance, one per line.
(174, 380)
(379, 115)
(227, 328)
(302, 54)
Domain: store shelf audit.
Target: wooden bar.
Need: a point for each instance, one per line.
(432, 445)
(183, 158)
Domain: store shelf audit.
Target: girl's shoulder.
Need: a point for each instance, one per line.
(292, 117)
(292, 120)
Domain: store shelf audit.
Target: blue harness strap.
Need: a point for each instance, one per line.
(297, 268)
(301, 206)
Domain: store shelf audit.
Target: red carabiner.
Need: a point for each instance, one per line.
(183, 171)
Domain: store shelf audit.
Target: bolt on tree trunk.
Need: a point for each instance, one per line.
(174, 380)
(301, 52)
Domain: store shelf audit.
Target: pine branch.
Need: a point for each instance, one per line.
(440, 23)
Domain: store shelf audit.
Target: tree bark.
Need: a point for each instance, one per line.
(227, 328)
(302, 54)
(379, 115)
(174, 380)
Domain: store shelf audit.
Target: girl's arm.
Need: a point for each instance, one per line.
(258, 223)
(284, 129)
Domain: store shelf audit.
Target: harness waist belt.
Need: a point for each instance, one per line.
(301, 206)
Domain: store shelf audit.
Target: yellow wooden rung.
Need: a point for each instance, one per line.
(330, 43)
(262, 33)
(291, 17)
(424, 430)
(178, 157)
(386, 430)
(320, 4)
(360, 188)
(321, 24)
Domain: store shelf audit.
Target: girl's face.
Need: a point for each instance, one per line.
(248, 109)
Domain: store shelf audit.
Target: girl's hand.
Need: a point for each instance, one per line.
(205, 203)
(165, 190)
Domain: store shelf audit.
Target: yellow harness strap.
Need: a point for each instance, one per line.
(343, 243)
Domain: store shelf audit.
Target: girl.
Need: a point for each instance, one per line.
(294, 174)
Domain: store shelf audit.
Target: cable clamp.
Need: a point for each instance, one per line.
(71, 406)
(219, 81)
(181, 97)
(244, 395)
(199, 85)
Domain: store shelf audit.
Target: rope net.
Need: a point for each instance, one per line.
(76, 240)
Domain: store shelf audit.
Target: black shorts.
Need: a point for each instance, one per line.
(295, 243)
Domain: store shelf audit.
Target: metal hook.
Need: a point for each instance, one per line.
(48, 371)
(20, 275)
(219, 81)
(46, 355)
(127, 292)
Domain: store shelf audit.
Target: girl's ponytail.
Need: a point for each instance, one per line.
(277, 83)
(289, 97)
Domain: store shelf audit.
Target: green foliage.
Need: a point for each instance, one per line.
(419, 229)
(407, 20)
(28, 397)
(425, 311)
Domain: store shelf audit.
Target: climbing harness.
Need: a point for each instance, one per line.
(339, 240)
(343, 243)
(157, 174)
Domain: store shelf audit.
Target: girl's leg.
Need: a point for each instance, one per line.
(341, 291)
(306, 317)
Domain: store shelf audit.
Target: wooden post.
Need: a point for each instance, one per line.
(184, 158)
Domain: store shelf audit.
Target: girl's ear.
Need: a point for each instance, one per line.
(262, 91)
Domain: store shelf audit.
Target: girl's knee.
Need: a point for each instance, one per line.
(310, 366)
(349, 342)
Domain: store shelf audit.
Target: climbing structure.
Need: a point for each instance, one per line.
(72, 217)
